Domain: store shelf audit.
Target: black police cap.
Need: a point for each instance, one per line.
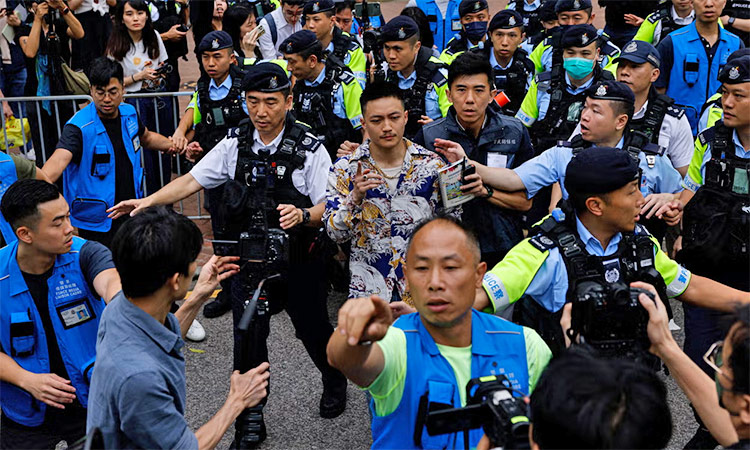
(400, 28)
(215, 40)
(265, 77)
(579, 36)
(572, 5)
(506, 19)
(640, 52)
(599, 170)
(547, 11)
(736, 70)
(298, 42)
(318, 6)
(471, 6)
(611, 90)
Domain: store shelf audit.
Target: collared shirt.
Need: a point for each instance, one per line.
(215, 93)
(268, 47)
(219, 165)
(137, 395)
(687, 20)
(496, 65)
(693, 184)
(608, 53)
(536, 102)
(431, 104)
(533, 6)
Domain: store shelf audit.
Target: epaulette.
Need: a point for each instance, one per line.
(706, 136)
(675, 111)
(542, 77)
(347, 77)
(233, 132)
(654, 17)
(542, 243)
(439, 79)
(610, 49)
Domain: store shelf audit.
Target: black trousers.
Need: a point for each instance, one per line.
(67, 425)
(92, 46)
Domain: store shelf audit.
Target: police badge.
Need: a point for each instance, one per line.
(401, 33)
(576, 5)
(734, 73)
(630, 48)
(215, 44)
(512, 21)
(584, 39)
(273, 83)
(601, 91)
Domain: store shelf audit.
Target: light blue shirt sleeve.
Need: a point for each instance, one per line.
(431, 104)
(550, 284)
(339, 108)
(662, 178)
(545, 170)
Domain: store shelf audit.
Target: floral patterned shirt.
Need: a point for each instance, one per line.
(379, 228)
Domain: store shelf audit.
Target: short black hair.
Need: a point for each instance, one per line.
(471, 236)
(102, 70)
(424, 35)
(378, 90)
(577, 199)
(582, 401)
(470, 63)
(315, 49)
(619, 107)
(151, 247)
(20, 204)
(344, 5)
(739, 360)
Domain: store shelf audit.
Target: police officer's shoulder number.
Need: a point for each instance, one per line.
(542, 243)
(654, 17)
(310, 142)
(346, 77)
(706, 136)
(439, 79)
(675, 111)
(233, 132)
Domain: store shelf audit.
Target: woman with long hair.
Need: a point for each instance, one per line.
(239, 21)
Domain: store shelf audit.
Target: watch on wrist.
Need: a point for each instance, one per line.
(65, 10)
(730, 22)
(490, 191)
(305, 216)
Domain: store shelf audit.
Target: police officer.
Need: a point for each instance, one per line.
(670, 16)
(474, 18)
(444, 19)
(421, 76)
(320, 20)
(300, 165)
(552, 106)
(489, 137)
(548, 19)
(595, 237)
(692, 57)
(99, 154)
(49, 335)
(546, 55)
(530, 11)
(169, 17)
(326, 95)
(511, 64)
(13, 168)
(711, 111)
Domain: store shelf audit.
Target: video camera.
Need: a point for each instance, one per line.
(491, 405)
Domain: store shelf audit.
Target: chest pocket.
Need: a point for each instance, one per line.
(439, 396)
(22, 338)
(101, 161)
(690, 69)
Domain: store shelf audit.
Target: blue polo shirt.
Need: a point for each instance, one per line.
(137, 396)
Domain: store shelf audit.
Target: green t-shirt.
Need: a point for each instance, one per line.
(25, 169)
(388, 387)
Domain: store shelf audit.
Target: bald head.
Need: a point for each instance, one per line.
(441, 228)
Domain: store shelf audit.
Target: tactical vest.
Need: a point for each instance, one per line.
(497, 347)
(8, 176)
(532, 22)
(668, 24)
(633, 261)
(716, 222)
(512, 81)
(659, 105)
(74, 311)
(218, 116)
(313, 105)
(428, 72)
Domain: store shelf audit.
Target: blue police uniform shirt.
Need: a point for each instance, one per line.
(431, 105)
(338, 95)
(496, 65)
(219, 92)
(543, 98)
(739, 151)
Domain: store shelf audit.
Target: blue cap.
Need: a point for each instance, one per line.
(578, 36)
(599, 170)
(471, 6)
(572, 5)
(265, 77)
(400, 28)
(215, 40)
(736, 70)
(640, 52)
(611, 90)
(298, 42)
(318, 6)
(505, 19)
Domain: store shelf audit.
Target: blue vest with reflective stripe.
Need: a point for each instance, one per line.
(692, 81)
(90, 184)
(443, 28)
(8, 176)
(497, 347)
(75, 314)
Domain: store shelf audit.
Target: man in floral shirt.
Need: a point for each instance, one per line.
(380, 192)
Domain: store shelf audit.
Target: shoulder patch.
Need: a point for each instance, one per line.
(675, 111)
(706, 136)
(233, 132)
(610, 49)
(542, 243)
(439, 79)
(310, 142)
(542, 77)
(654, 17)
(347, 77)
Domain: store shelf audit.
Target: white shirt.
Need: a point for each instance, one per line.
(268, 48)
(135, 61)
(677, 20)
(98, 5)
(218, 166)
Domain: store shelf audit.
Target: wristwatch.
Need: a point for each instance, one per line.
(305, 216)
(730, 21)
(490, 191)
(65, 11)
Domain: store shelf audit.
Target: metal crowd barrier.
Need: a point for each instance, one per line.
(193, 211)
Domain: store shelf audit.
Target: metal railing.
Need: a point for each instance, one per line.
(61, 107)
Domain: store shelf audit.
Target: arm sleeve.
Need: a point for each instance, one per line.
(358, 64)
(25, 169)
(265, 42)
(95, 259)
(388, 387)
(529, 111)
(538, 355)
(543, 170)
(694, 176)
(213, 169)
(352, 92)
(341, 215)
(71, 140)
(153, 421)
(316, 174)
(667, 60)
(645, 31)
(681, 145)
(676, 277)
(162, 50)
(510, 278)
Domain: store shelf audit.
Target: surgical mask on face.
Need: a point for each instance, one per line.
(475, 30)
(578, 68)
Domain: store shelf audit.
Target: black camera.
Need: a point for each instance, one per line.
(371, 41)
(491, 405)
(610, 318)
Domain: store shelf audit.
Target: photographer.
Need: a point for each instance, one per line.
(298, 166)
(429, 356)
(138, 388)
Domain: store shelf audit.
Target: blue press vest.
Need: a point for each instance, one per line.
(692, 81)
(23, 336)
(8, 176)
(443, 28)
(90, 184)
(497, 347)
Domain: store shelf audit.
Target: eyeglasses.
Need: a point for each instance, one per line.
(714, 358)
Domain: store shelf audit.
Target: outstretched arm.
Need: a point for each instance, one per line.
(180, 188)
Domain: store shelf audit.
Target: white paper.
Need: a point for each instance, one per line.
(495, 159)
(21, 12)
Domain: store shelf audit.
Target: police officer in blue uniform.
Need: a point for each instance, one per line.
(52, 286)
(491, 138)
(474, 19)
(99, 154)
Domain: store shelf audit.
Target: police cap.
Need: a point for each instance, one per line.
(640, 52)
(318, 6)
(736, 70)
(400, 28)
(572, 5)
(298, 42)
(471, 6)
(611, 90)
(506, 19)
(215, 40)
(579, 36)
(265, 77)
(547, 11)
(599, 170)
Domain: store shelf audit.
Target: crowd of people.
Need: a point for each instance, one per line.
(473, 182)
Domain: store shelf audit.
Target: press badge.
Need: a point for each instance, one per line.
(456, 25)
(75, 313)
(136, 144)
